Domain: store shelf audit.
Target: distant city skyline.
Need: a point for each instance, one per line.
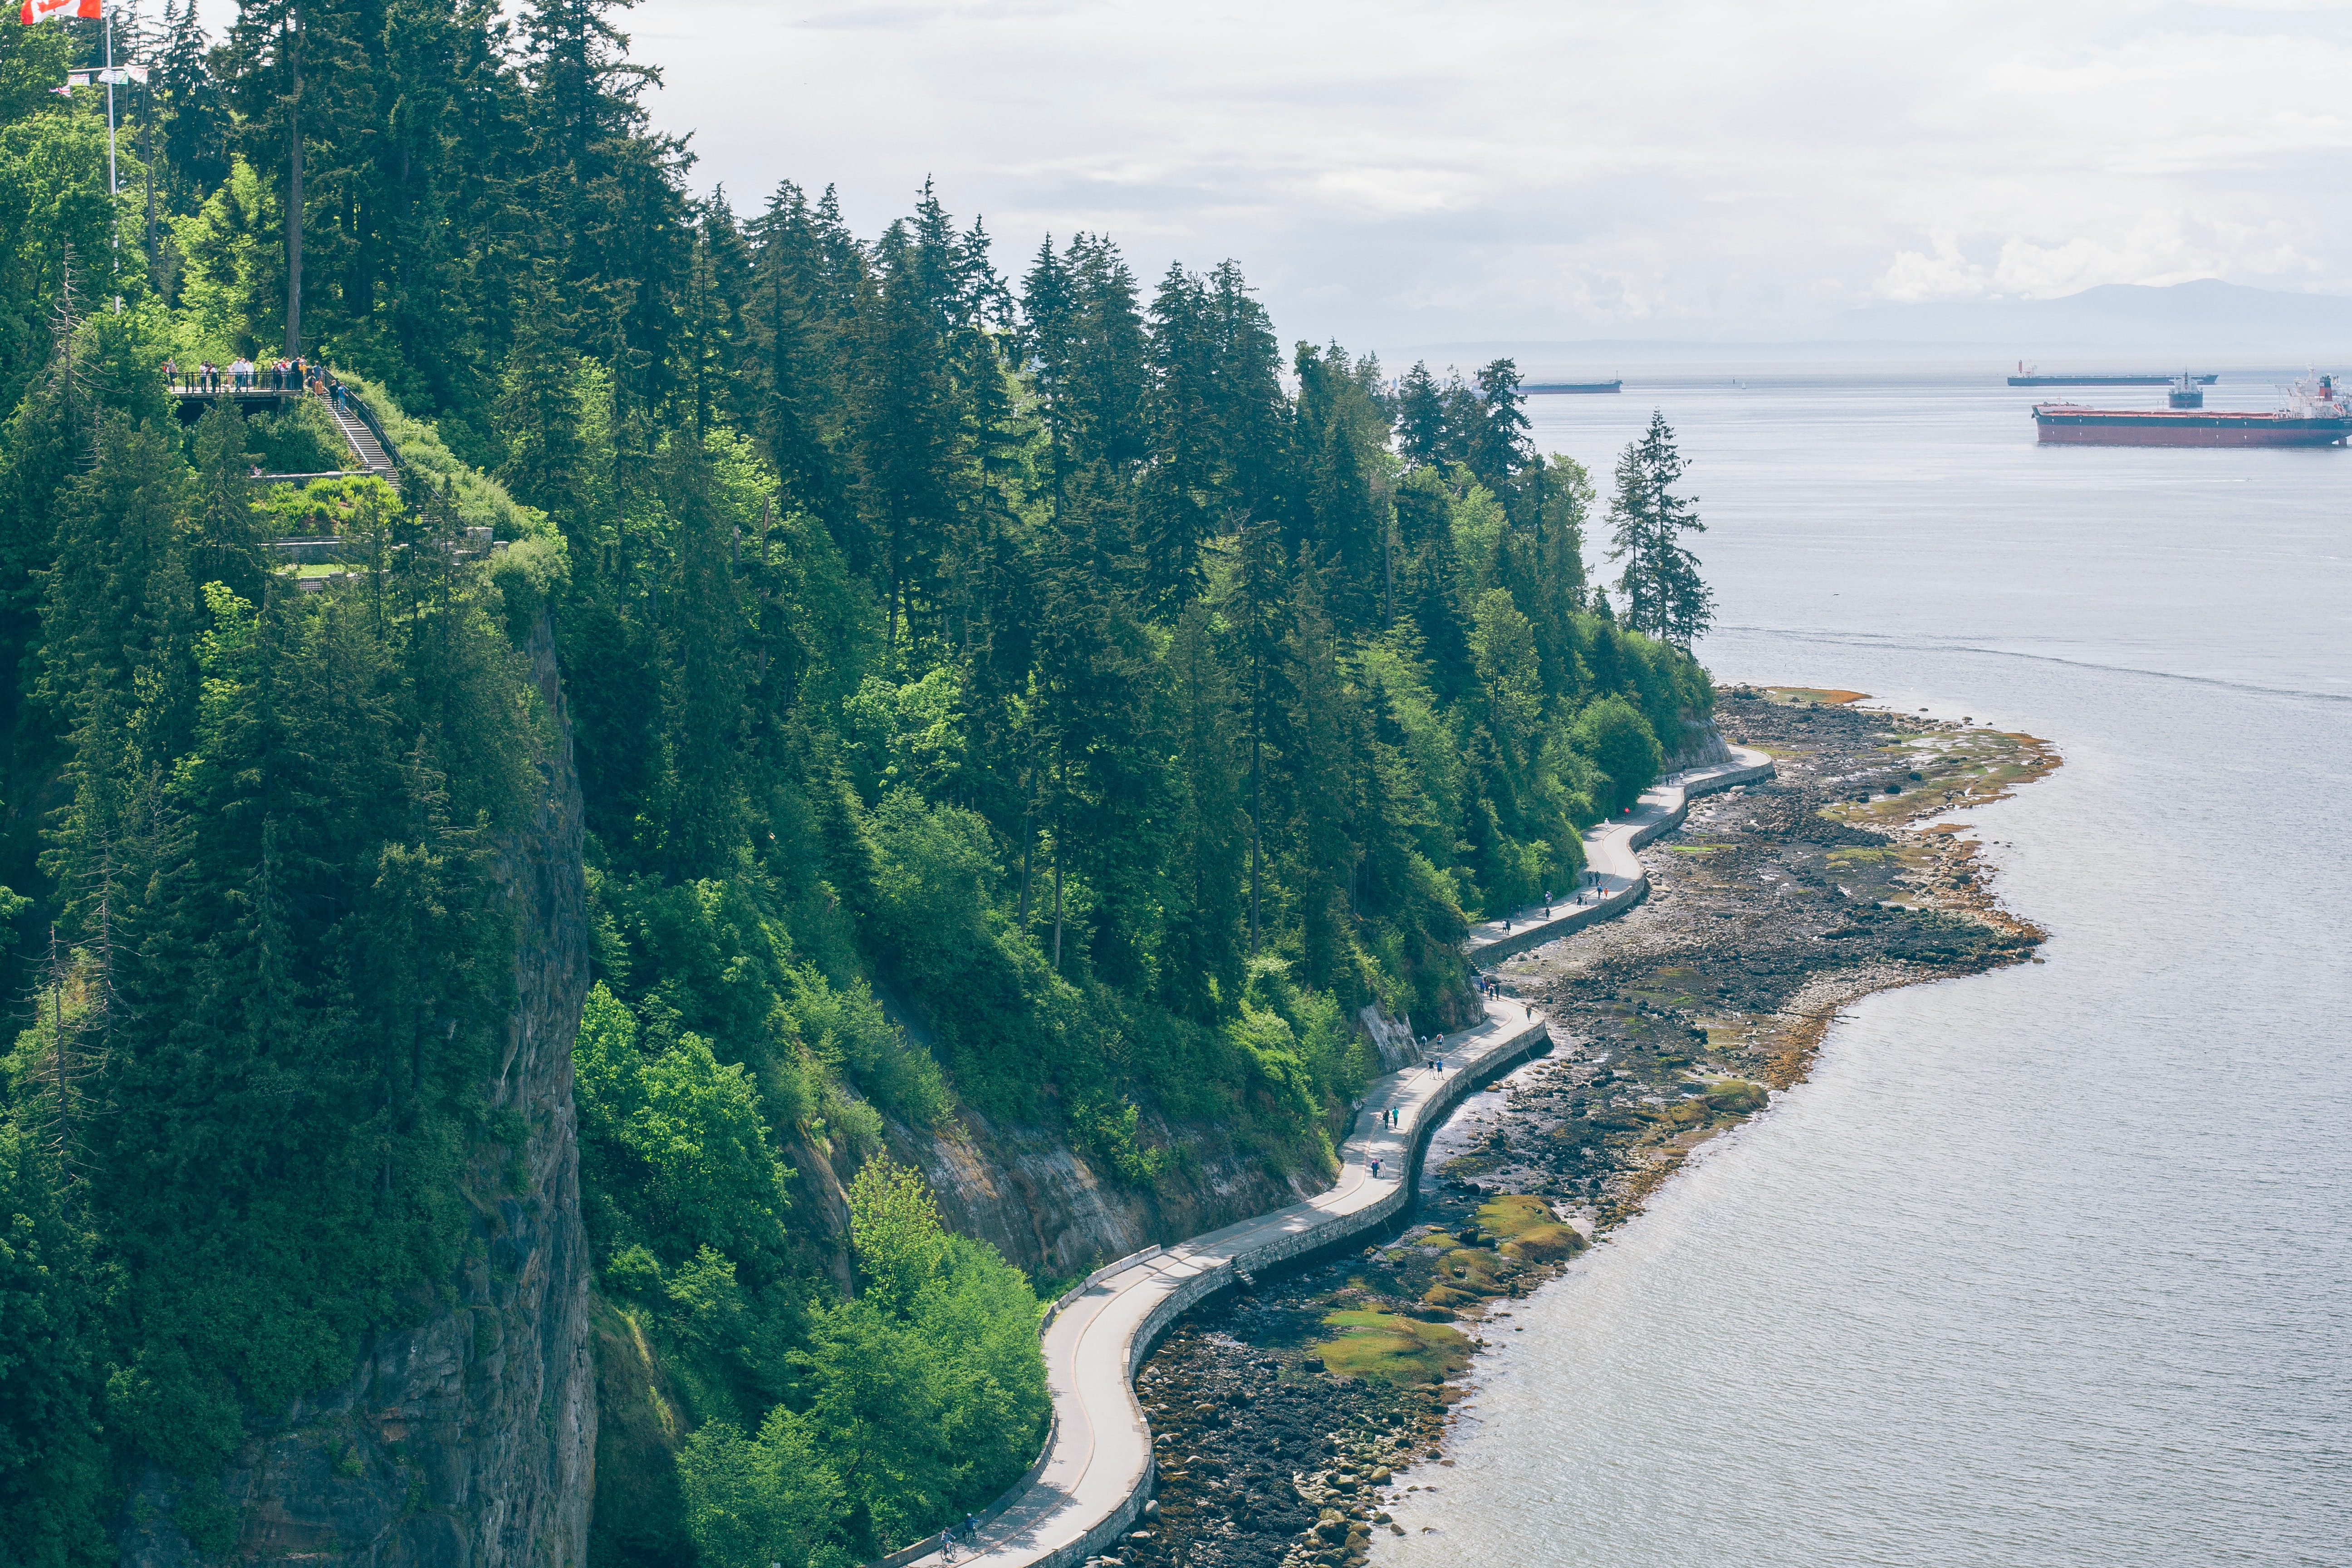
(1401, 173)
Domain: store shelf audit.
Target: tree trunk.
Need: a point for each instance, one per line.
(1255, 800)
(294, 208)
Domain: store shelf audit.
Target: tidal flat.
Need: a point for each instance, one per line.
(1288, 1419)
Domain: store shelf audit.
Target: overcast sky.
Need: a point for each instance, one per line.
(1396, 173)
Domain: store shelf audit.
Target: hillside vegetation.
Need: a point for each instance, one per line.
(1029, 695)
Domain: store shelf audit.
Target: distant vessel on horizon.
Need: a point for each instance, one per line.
(2028, 375)
(1533, 387)
(2314, 416)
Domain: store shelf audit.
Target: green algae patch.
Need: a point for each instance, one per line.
(1528, 1228)
(1737, 1096)
(1548, 1243)
(1475, 1270)
(1388, 1347)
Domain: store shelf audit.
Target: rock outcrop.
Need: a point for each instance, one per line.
(1051, 1210)
(1701, 746)
(468, 1441)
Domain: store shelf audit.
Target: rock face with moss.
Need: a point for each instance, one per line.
(466, 1442)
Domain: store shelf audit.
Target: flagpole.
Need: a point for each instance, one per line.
(113, 186)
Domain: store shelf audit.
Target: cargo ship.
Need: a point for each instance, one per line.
(1532, 387)
(2314, 416)
(2027, 375)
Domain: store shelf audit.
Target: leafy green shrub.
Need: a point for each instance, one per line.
(352, 505)
(752, 1502)
(686, 1134)
(1107, 1128)
(941, 934)
(1614, 735)
(304, 439)
(930, 1389)
(847, 1027)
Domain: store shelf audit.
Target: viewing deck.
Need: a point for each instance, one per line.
(351, 415)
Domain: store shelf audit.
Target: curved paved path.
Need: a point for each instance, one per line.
(1613, 880)
(1089, 1485)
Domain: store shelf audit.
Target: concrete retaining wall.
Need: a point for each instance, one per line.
(1336, 1230)
(1618, 902)
(1333, 1230)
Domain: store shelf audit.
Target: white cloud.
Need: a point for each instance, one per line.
(1401, 170)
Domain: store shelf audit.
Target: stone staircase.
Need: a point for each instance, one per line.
(371, 452)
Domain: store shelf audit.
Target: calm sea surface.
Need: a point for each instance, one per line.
(2048, 1265)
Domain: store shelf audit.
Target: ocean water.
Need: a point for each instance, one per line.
(2048, 1265)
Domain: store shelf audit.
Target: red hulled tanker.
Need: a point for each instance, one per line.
(2314, 416)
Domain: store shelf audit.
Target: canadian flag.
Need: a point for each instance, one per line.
(35, 10)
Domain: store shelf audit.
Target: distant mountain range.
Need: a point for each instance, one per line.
(2152, 328)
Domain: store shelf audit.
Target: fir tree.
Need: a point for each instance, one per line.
(1664, 595)
(1420, 418)
(1497, 445)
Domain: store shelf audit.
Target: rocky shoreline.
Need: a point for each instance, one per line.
(1285, 1420)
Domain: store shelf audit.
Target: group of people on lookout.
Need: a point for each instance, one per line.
(241, 374)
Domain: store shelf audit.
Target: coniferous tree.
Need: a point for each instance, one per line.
(1664, 595)
(1420, 418)
(1496, 446)
(1183, 488)
(195, 124)
(1203, 974)
(1134, 720)
(1321, 724)
(537, 413)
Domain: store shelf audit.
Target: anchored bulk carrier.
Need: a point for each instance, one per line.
(2314, 416)
(2028, 376)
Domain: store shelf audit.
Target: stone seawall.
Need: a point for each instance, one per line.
(1090, 1483)
(1097, 1471)
(1610, 849)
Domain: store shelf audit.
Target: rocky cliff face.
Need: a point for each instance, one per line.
(1702, 745)
(467, 1442)
(1047, 1208)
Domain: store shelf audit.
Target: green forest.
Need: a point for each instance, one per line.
(1012, 688)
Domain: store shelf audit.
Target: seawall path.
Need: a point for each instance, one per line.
(1614, 881)
(1090, 1484)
